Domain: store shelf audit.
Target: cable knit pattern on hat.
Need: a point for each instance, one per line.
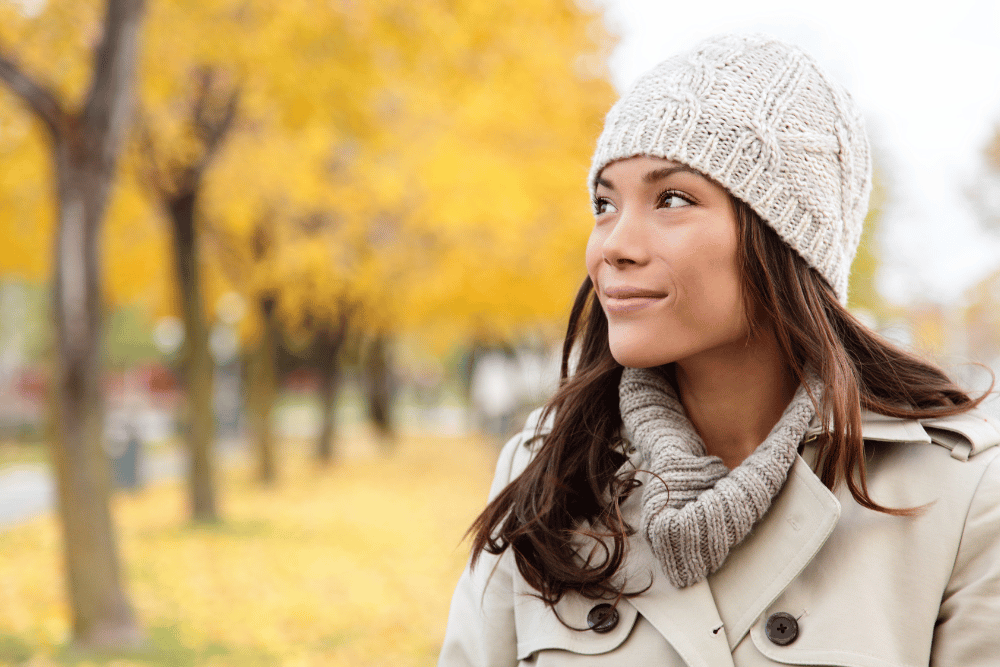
(759, 117)
(694, 509)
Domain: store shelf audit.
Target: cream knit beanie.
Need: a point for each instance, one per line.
(759, 117)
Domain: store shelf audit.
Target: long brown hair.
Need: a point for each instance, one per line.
(571, 481)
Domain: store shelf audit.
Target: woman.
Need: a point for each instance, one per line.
(736, 471)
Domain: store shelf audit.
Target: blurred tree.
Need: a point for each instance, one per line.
(176, 184)
(84, 140)
(262, 391)
(379, 386)
(327, 349)
(427, 179)
(495, 138)
(263, 345)
(313, 303)
(282, 132)
(458, 210)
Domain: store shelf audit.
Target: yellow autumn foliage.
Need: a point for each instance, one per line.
(26, 209)
(499, 136)
(54, 42)
(353, 565)
(424, 169)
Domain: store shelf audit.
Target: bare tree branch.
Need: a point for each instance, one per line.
(224, 122)
(40, 99)
(213, 114)
(151, 174)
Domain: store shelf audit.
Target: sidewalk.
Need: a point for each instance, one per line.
(29, 490)
(25, 491)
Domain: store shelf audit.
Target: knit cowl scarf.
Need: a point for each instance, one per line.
(694, 508)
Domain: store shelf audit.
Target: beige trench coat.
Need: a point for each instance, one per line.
(866, 589)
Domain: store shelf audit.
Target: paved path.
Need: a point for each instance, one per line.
(25, 491)
(29, 490)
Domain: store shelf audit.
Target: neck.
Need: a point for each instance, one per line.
(735, 396)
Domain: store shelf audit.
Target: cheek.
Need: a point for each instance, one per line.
(718, 292)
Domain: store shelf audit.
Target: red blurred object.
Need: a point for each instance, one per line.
(302, 380)
(31, 385)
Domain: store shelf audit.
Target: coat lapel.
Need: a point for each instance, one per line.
(686, 617)
(800, 520)
(706, 621)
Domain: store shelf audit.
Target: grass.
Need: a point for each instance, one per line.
(352, 565)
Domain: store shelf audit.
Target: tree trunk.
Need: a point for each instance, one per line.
(102, 614)
(466, 368)
(379, 388)
(197, 365)
(177, 184)
(262, 392)
(329, 347)
(85, 145)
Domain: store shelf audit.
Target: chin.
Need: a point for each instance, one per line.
(639, 356)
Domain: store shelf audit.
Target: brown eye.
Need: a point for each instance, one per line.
(672, 199)
(603, 205)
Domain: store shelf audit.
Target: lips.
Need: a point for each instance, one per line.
(627, 292)
(621, 299)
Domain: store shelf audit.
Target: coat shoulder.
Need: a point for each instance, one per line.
(965, 435)
(520, 449)
(936, 603)
(913, 462)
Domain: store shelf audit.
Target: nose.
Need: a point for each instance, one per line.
(627, 243)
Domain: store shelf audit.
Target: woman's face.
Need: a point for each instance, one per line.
(663, 259)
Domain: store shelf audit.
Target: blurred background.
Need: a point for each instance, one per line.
(278, 278)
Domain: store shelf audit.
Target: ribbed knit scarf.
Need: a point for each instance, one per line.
(694, 509)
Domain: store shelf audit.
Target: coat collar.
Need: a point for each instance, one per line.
(965, 434)
(757, 571)
(706, 621)
(688, 618)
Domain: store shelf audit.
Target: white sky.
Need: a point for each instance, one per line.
(927, 77)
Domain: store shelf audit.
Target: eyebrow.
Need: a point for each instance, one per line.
(655, 175)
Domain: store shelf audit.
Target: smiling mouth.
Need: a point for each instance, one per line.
(626, 292)
(620, 300)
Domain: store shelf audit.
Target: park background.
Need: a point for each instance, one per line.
(277, 279)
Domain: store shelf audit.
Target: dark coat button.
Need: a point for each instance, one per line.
(602, 618)
(781, 628)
